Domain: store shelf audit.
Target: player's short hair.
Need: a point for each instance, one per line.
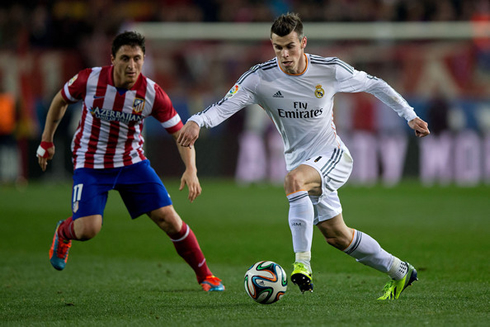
(133, 39)
(287, 23)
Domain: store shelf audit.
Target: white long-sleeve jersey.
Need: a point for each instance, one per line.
(301, 106)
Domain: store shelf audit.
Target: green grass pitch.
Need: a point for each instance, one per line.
(130, 274)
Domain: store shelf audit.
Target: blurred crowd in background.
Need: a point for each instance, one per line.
(71, 23)
(44, 43)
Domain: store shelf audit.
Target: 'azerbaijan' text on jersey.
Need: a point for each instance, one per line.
(109, 132)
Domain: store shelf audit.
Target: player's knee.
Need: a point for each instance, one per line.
(167, 219)
(88, 232)
(171, 226)
(294, 181)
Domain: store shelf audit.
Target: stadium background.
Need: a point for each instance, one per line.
(446, 79)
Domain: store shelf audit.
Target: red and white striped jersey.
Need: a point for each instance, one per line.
(109, 133)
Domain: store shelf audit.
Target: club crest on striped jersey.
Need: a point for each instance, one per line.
(138, 105)
(319, 91)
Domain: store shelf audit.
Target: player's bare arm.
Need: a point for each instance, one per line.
(56, 112)
(188, 134)
(189, 177)
(420, 127)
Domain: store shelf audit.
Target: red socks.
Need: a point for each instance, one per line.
(66, 229)
(185, 243)
(187, 247)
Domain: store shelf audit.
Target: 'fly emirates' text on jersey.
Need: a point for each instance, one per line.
(301, 106)
(109, 132)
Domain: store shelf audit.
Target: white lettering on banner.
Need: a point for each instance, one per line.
(373, 156)
(363, 147)
(435, 159)
(392, 151)
(260, 158)
(486, 161)
(251, 162)
(462, 159)
(467, 158)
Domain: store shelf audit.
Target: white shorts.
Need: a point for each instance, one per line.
(335, 168)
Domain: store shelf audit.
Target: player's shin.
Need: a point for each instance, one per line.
(367, 250)
(188, 248)
(300, 218)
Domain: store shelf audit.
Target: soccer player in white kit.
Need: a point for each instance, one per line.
(296, 90)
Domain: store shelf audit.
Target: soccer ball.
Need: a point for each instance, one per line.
(266, 282)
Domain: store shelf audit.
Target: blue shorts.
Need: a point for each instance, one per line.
(140, 187)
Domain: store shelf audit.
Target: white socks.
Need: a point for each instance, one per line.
(363, 247)
(301, 222)
(367, 251)
(398, 269)
(304, 258)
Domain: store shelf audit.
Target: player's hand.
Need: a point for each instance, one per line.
(419, 126)
(188, 134)
(190, 179)
(45, 152)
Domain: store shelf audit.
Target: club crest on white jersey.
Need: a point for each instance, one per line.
(319, 91)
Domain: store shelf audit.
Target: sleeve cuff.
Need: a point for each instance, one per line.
(410, 115)
(197, 119)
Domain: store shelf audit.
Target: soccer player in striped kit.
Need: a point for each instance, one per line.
(108, 154)
(296, 90)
